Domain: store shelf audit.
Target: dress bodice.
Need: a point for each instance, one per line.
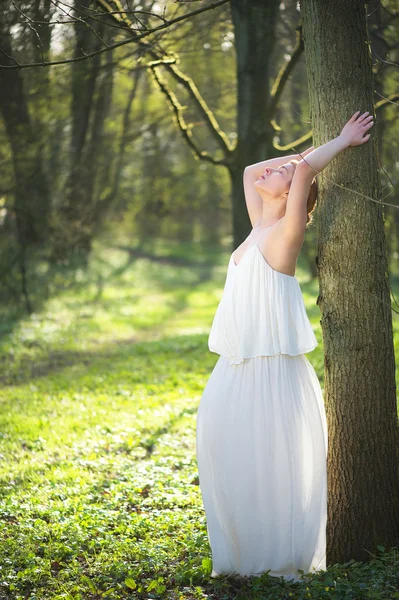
(261, 312)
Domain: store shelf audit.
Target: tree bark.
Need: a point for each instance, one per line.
(354, 299)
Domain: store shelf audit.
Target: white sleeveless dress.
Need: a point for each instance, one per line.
(261, 432)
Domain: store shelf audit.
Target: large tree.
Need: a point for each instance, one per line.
(354, 297)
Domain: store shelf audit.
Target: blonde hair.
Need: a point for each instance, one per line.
(312, 198)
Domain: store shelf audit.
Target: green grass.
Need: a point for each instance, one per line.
(99, 489)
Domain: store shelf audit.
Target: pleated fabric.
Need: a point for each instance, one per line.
(261, 455)
(261, 436)
(261, 312)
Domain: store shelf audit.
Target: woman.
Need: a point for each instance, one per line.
(261, 423)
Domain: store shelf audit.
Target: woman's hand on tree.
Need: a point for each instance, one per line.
(355, 129)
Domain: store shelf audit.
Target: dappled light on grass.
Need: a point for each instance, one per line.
(99, 483)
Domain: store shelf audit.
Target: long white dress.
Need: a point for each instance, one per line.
(261, 432)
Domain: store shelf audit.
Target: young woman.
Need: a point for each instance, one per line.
(261, 424)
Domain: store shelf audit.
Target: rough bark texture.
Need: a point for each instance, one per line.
(354, 299)
(254, 27)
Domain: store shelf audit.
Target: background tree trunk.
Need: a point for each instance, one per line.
(92, 84)
(254, 27)
(354, 297)
(31, 189)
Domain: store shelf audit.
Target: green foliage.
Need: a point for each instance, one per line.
(129, 161)
(99, 492)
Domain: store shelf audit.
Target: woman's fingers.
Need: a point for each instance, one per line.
(363, 117)
(355, 129)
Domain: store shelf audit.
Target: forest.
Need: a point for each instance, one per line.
(125, 129)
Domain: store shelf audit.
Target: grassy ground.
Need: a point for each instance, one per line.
(99, 489)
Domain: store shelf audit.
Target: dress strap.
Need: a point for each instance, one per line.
(264, 233)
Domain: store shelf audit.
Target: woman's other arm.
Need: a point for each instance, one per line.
(253, 172)
(257, 169)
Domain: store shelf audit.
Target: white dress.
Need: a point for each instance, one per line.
(261, 432)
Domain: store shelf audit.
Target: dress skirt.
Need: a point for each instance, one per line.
(261, 442)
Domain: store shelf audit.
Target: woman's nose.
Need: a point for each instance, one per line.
(267, 171)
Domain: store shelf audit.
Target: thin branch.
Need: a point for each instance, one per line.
(282, 77)
(208, 115)
(125, 67)
(92, 17)
(343, 187)
(220, 137)
(112, 46)
(184, 128)
(78, 19)
(29, 23)
(10, 58)
(94, 13)
(299, 141)
(308, 136)
(390, 100)
(385, 62)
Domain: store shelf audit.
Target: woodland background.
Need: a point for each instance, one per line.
(93, 150)
(118, 213)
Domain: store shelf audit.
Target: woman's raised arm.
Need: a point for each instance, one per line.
(257, 169)
(354, 133)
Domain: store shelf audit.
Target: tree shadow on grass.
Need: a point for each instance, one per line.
(64, 277)
(55, 362)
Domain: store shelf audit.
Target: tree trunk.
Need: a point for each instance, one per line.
(254, 27)
(354, 292)
(92, 82)
(32, 194)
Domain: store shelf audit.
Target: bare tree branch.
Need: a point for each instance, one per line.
(29, 21)
(220, 137)
(305, 138)
(282, 77)
(290, 146)
(138, 37)
(80, 20)
(386, 62)
(208, 115)
(184, 128)
(390, 100)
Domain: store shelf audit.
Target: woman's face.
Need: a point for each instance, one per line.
(276, 182)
